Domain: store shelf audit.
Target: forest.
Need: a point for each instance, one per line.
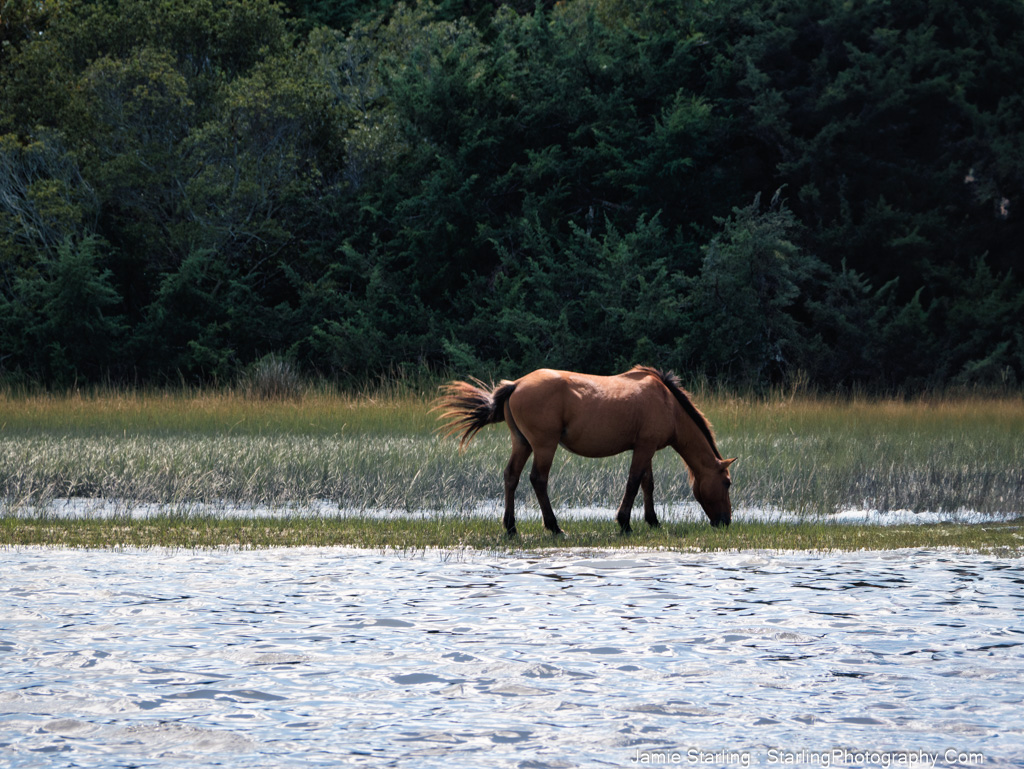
(756, 192)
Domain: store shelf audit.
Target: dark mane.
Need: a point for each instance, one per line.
(675, 387)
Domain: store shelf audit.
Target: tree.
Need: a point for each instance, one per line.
(44, 200)
(516, 184)
(62, 323)
(889, 123)
(602, 300)
(744, 306)
(22, 21)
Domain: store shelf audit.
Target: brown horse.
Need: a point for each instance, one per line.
(642, 410)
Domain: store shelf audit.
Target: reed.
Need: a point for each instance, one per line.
(818, 454)
(332, 451)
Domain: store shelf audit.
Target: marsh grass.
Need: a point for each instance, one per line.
(378, 451)
(313, 411)
(820, 455)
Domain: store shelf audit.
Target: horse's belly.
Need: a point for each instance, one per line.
(595, 442)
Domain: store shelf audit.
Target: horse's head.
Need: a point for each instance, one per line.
(711, 489)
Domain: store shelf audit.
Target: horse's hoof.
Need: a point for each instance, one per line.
(557, 533)
(511, 533)
(625, 532)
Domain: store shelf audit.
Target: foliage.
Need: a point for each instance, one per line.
(62, 320)
(743, 325)
(360, 187)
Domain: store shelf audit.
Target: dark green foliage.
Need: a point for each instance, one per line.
(610, 298)
(60, 322)
(187, 188)
(886, 118)
(743, 305)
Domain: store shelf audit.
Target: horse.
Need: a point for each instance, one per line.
(643, 410)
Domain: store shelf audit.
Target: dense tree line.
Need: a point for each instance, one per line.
(753, 190)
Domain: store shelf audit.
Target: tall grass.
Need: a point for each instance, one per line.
(820, 454)
(314, 411)
(807, 454)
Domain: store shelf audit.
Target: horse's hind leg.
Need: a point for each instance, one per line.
(520, 453)
(647, 484)
(539, 478)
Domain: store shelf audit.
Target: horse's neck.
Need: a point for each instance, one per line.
(693, 446)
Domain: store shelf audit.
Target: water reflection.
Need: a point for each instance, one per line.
(329, 656)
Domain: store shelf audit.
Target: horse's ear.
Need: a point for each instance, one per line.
(727, 462)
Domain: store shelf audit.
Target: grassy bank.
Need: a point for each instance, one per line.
(450, 533)
(809, 455)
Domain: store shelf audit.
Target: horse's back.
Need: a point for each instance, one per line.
(592, 415)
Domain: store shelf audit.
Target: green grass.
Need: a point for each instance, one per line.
(809, 455)
(455, 533)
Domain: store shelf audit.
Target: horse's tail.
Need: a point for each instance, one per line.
(468, 408)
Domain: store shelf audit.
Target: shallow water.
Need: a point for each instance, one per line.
(326, 657)
(684, 511)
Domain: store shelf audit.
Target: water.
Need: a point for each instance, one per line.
(686, 510)
(329, 657)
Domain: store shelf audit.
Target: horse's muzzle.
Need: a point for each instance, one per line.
(722, 520)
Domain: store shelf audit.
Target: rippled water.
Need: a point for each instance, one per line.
(337, 657)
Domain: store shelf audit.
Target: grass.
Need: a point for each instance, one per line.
(810, 455)
(451, 532)
(822, 454)
(216, 413)
(454, 533)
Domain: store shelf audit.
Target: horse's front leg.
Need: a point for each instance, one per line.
(639, 471)
(520, 453)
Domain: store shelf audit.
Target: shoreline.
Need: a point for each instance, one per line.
(450, 533)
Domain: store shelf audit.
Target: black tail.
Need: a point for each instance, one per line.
(468, 408)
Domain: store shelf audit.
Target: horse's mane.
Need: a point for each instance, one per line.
(671, 381)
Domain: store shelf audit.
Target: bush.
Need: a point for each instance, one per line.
(271, 378)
